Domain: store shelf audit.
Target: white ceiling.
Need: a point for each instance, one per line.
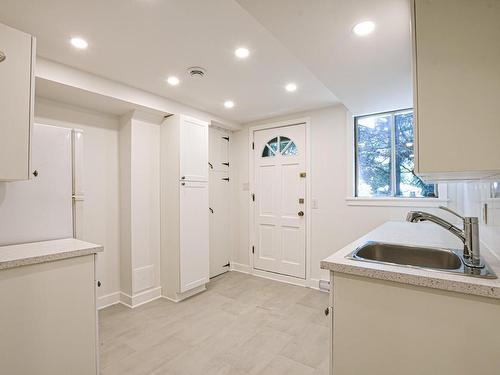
(368, 74)
(142, 42)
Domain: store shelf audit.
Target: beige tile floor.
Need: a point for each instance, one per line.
(241, 325)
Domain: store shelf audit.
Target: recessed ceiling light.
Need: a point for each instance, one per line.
(363, 28)
(242, 52)
(79, 43)
(173, 81)
(229, 104)
(291, 87)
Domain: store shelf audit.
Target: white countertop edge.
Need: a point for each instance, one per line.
(12, 256)
(338, 262)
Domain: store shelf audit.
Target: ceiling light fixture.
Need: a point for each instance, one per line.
(229, 104)
(242, 52)
(363, 28)
(173, 81)
(291, 87)
(79, 43)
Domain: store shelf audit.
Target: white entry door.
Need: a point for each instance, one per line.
(279, 184)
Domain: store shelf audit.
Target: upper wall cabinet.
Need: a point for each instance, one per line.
(17, 62)
(456, 56)
(193, 149)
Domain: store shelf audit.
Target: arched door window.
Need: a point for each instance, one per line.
(284, 145)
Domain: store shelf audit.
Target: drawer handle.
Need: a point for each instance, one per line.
(2, 56)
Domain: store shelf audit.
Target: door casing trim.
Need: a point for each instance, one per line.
(251, 212)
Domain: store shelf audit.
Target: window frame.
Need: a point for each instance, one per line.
(439, 189)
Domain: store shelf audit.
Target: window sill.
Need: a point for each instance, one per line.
(396, 202)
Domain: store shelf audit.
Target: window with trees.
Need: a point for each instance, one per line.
(384, 157)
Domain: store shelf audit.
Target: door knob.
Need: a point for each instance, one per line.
(2, 56)
(301, 213)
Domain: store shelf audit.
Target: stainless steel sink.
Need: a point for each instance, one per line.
(431, 258)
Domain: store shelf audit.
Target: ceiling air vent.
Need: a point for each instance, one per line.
(196, 72)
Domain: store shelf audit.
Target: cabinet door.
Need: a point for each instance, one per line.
(16, 103)
(220, 222)
(219, 149)
(457, 76)
(48, 318)
(194, 150)
(194, 236)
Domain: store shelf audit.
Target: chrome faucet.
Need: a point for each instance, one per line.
(469, 235)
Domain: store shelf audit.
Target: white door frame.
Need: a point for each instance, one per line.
(251, 173)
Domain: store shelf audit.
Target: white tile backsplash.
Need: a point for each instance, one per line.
(475, 199)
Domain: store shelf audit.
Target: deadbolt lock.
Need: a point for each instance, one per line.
(301, 200)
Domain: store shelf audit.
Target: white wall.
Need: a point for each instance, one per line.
(334, 223)
(145, 203)
(140, 204)
(472, 198)
(101, 206)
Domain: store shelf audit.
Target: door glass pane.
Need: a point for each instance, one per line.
(373, 145)
(407, 182)
(495, 189)
(284, 141)
(270, 148)
(290, 150)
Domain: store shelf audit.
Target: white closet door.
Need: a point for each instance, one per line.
(220, 240)
(194, 235)
(219, 150)
(194, 150)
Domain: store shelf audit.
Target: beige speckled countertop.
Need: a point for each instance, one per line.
(46, 251)
(423, 234)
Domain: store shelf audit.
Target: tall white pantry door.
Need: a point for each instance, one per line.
(279, 184)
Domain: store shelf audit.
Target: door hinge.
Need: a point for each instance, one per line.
(211, 209)
(253, 197)
(225, 179)
(253, 145)
(253, 249)
(226, 138)
(227, 164)
(226, 265)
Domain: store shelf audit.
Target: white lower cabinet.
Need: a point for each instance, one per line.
(193, 235)
(389, 328)
(48, 319)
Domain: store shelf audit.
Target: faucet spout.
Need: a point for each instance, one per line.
(469, 235)
(418, 216)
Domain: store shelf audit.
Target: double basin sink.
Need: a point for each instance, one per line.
(430, 258)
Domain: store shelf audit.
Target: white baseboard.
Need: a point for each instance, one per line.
(140, 298)
(245, 268)
(108, 300)
(182, 296)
